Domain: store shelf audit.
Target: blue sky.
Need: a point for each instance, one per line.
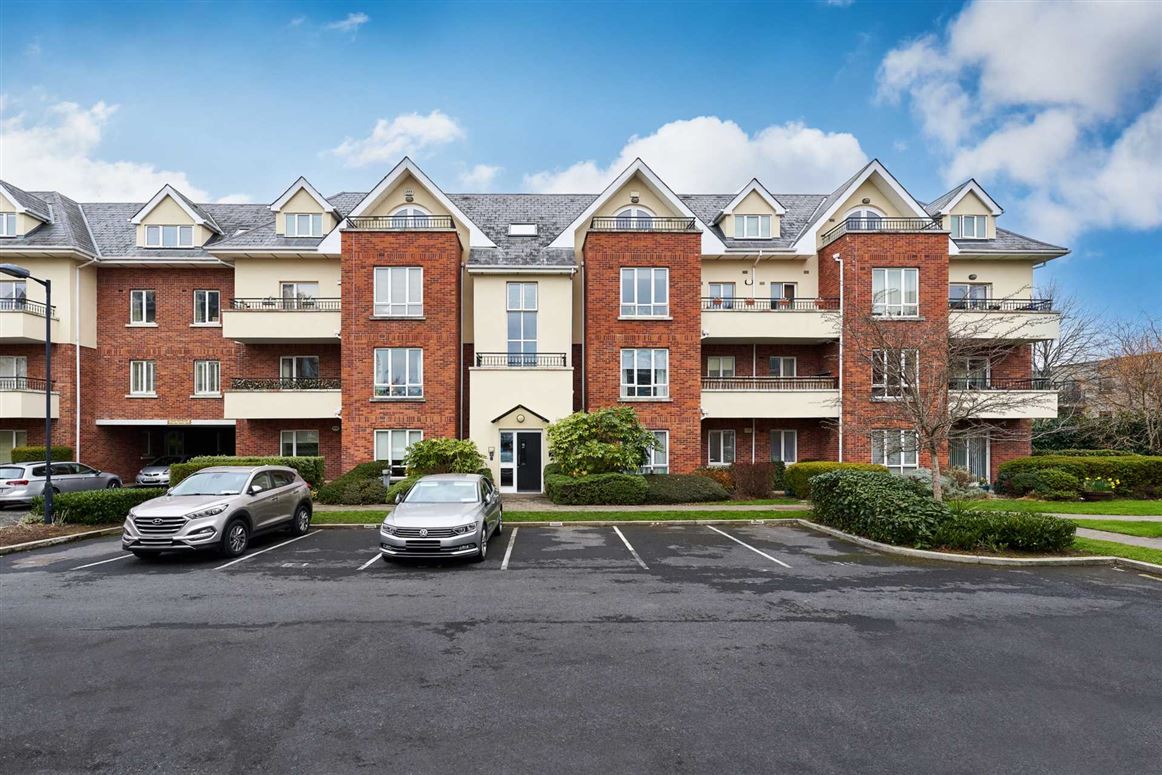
(1055, 109)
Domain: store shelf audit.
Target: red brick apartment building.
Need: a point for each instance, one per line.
(350, 326)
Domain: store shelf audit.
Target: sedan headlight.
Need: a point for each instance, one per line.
(462, 529)
(210, 512)
(387, 529)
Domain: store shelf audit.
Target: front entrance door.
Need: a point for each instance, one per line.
(528, 461)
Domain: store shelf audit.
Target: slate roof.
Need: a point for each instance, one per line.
(934, 206)
(67, 229)
(263, 235)
(201, 211)
(1008, 242)
(552, 213)
(800, 208)
(30, 202)
(117, 237)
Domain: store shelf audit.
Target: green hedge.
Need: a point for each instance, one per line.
(597, 489)
(798, 475)
(1054, 484)
(1140, 475)
(876, 505)
(1083, 452)
(96, 507)
(683, 488)
(36, 454)
(1000, 531)
(361, 485)
(310, 468)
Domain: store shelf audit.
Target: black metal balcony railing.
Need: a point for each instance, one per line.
(520, 360)
(25, 305)
(277, 304)
(400, 223)
(644, 223)
(879, 225)
(770, 383)
(802, 304)
(1002, 305)
(35, 384)
(285, 383)
(981, 383)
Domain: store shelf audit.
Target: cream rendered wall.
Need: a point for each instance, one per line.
(170, 213)
(302, 202)
(879, 200)
(422, 197)
(69, 306)
(86, 306)
(971, 205)
(256, 278)
(1010, 279)
(781, 270)
(648, 199)
(554, 317)
(24, 223)
(548, 392)
(752, 204)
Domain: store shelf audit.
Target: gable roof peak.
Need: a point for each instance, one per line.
(27, 203)
(943, 204)
(302, 184)
(754, 186)
(196, 213)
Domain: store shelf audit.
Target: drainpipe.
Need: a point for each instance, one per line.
(837, 258)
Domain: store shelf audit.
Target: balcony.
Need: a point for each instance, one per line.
(1004, 399)
(22, 321)
(1016, 320)
(273, 319)
(644, 223)
(521, 360)
(801, 320)
(266, 398)
(881, 226)
(770, 397)
(23, 398)
(400, 223)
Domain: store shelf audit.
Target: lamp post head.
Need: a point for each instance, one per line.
(15, 270)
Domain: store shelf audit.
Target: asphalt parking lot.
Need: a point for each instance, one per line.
(745, 648)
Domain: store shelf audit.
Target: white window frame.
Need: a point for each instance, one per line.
(761, 224)
(723, 293)
(887, 445)
(409, 307)
(658, 363)
(294, 361)
(145, 295)
(973, 298)
(12, 292)
(395, 467)
(658, 460)
(856, 215)
(526, 342)
(963, 444)
(967, 370)
(202, 307)
(632, 306)
(293, 437)
(207, 378)
(634, 218)
(142, 378)
(892, 383)
(722, 436)
(18, 438)
(720, 366)
(411, 385)
(8, 225)
(782, 439)
(297, 299)
(156, 236)
(979, 227)
(293, 224)
(784, 362)
(417, 214)
(885, 277)
(13, 372)
(782, 300)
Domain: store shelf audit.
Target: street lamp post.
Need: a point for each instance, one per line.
(14, 270)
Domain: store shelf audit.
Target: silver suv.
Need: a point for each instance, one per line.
(220, 508)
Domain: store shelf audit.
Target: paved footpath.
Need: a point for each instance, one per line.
(1121, 538)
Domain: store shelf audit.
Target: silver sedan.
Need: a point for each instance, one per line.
(443, 515)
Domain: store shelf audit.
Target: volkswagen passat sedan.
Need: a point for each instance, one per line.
(157, 472)
(220, 508)
(21, 482)
(444, 515)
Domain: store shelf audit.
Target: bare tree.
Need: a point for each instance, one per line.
(1083, 335)
(1132, 380)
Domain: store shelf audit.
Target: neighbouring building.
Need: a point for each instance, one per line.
(352, 325)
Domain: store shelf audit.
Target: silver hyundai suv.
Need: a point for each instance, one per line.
(219, 508)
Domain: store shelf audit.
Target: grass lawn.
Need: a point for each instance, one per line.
(1092, 546)
(1143, 529)
(510, 517)
(1115, 507)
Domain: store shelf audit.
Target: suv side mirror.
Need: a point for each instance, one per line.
(254, 489)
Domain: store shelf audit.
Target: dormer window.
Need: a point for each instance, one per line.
(304, 224)
(8, 225)
(635, 218)
(969, 226)
(864, 219)
(169, 236)
(410, 217)
(752, 227)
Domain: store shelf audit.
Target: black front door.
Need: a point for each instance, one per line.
(528, 461)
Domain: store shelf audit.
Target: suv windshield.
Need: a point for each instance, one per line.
(442, 491)
(212, 483)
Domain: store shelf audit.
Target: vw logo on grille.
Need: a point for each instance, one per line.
(157, 520)
(423, 531)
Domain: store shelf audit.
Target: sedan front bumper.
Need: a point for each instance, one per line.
(455, 546)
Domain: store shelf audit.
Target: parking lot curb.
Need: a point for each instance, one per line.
(30, 545)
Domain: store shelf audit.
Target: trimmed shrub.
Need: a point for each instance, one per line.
(683, 488)
(443, 456)
(753, 480)
(1083, 452)
(96, 507)
(724, 476)
(876, 505)
(359, 486)
(957, 485)
(605, 441)
(999, 531)
(36, 454)
(1057, 484)
(1140, 476)
(597, 489)
(310, 468)
(779, 479)
(798, 475)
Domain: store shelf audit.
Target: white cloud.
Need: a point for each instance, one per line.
(407, 133)
(351, 23)
(1026, 151)
(297, 21)
(838, 3)
(787, 157)
(58, 151)
(480, 177)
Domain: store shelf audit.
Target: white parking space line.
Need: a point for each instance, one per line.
(370, 562)
(748, 546)
(632, 551)
(102, 562)
(508, 551)
(245, 557)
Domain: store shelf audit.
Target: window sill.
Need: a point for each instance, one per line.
(396, 317)
(397, 399)
(645, 317)
(207, 395)
(889, 318)
(141, 325)
(205, 325)
(645, 400)
(141, 395)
